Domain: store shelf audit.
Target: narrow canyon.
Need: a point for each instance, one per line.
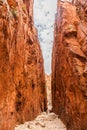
(25, 89)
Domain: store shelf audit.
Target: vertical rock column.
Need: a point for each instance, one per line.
(22, 79)
(69, 65)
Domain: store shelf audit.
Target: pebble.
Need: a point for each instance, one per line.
(41, 124)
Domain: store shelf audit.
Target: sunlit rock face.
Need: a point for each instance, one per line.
(69, 64)
(22, 79)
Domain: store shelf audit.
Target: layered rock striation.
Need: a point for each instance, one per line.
(69, 64)
(22, 79)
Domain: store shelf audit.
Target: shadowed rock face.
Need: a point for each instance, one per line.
(69, 68)
(22, 79)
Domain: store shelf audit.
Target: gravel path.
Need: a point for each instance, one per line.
(44, 121)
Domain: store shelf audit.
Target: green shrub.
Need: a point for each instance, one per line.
(14, 12)
(24, 7)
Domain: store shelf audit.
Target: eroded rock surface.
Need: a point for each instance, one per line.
(69, 68)
(22, 79)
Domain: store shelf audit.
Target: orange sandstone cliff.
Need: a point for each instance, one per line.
(69, 68)
(22, 79)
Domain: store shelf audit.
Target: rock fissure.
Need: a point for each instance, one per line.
(46, 120)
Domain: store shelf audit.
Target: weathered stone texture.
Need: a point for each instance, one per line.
(69, 64)
(22, 79)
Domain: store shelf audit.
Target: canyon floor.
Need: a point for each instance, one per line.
(46, 120)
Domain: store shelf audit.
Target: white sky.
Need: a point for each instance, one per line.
(44, 15)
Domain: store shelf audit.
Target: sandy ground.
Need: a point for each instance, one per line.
(46, 120)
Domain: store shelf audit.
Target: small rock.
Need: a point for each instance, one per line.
(41, 124)
(29, 126)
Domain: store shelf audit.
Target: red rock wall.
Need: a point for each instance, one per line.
(22, 79)
(69, 65)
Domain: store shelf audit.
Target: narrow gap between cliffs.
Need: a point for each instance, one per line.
(44, 17)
